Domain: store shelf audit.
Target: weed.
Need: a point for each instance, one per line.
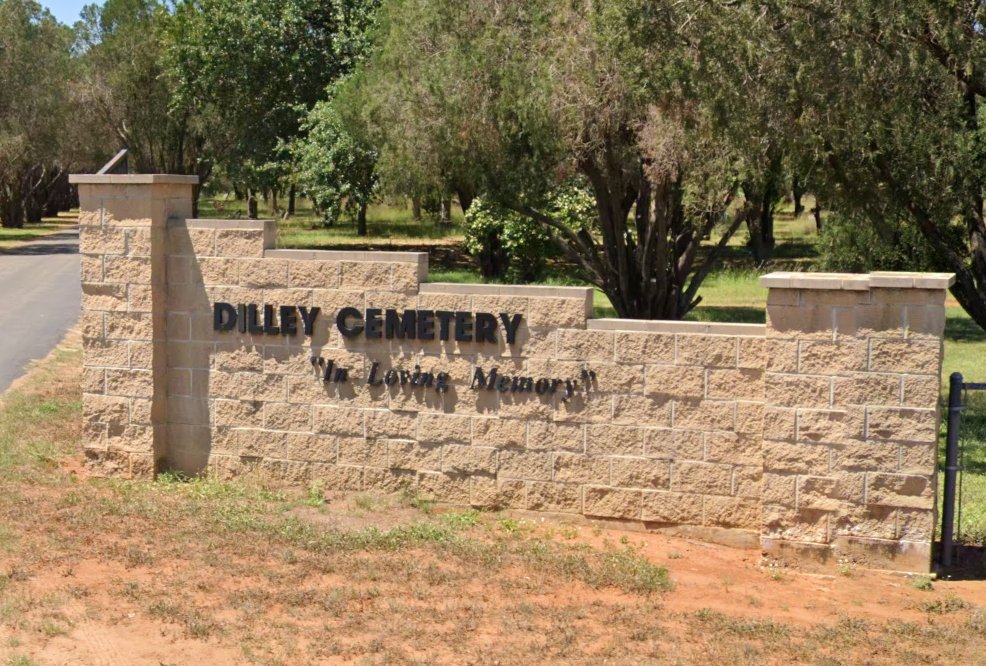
(50, 628)
(846, 568)
(21, 660)
(461, 519)
(569, 533)
(922, 583)
(315, 496)
(948, 604)
(196, 624)
(675, 556)
(977, 620)
(509, 525)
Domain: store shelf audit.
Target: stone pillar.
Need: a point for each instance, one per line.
(122, 239)
(853, 374)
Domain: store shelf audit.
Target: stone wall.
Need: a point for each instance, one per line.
(813, 435)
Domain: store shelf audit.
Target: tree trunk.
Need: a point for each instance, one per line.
(252, 208)
(797, 192)
(273, 201)
(361, 219)
(12, 211)
(465, 199)
(445, 210)
(817, 213)
(416, 208)
(291, 196)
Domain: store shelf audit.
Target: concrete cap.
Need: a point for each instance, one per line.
(132, 179)
(857, 281)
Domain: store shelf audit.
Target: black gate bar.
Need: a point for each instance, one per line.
(955, 386)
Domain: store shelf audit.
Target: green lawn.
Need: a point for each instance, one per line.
(50, 225)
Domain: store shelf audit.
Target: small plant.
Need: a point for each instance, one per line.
(509, 525)
(462, 519)
(314, 496)
(675, 556)
(846, 567)
(948, 604)
(569, 533)
(922, 583)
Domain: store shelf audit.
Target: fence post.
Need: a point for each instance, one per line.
(951, 466)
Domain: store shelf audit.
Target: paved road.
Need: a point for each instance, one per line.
(40, 299)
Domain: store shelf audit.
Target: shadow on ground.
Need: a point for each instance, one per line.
(60, 243)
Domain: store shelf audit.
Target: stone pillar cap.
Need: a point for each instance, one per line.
(857, 281)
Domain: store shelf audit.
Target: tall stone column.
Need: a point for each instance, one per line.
(853, 373)
(123, 242)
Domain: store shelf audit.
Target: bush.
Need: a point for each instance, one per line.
(850, 243)
(511, 246)
(506, 244)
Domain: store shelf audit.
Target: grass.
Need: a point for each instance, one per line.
(10, 238)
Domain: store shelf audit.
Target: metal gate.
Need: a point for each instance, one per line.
(952, 495)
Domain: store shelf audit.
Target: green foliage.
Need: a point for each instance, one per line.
(335, 158)
(34, 95)
(506, 244)
(854, 244)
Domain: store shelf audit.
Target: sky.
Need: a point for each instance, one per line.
(67, 11)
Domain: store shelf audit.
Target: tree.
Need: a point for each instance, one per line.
(34, 70)
(252, 69)
(335, 158)
(893, 119)
(126, 95)
(639, 99)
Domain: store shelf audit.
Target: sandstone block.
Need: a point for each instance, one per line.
(556, 436)
(551, 496)
(905, 356)
(288, 416)
(397, 425)
(129, 326)
(388, 480)
(311, 448)
(105, 353)
(806, 525)
(403, 454)
(649, 411)
(738, 512)
(804, 458)
(779, 489)
(671, 508)
(238, 243)
(101, 240)
(532, 465)
(138, 241)
(258, 443)
(668, 444)
(742, 384)
(748, 482)
(444, 488)
(263, 272)
(925, 321)
(781, 355)
(240, 413)
(804, 322)
(701, 478)
(645, 348)
(499, 432)
(917, 459)
(110, 410)
(639, 473)
(92, 267)
(902, 425)
(337, 477)
(704, 415)
(830, 425)
(104, 297)
(131, 383)
(752, 352)
(818, 357)
(586, 345)
(217, 270)
(866, 389)
(195, 242)
(617, 378)
(780, 424)
(915, 524)
(830, 493)
(614, 440)
(458, 459)
(900, 490)
(750, 418)
(496, 493)
(127, 270)
(612, 502)
(733, 449)
(921, 391)
(92, 325)
(688, 382)
(93, 380)
(798, 390)
(557, 312)
(715, 351)
(443, 429)
(578, 468)
(314, 274)
(360, 274)
(857, 456)
(871, 522)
